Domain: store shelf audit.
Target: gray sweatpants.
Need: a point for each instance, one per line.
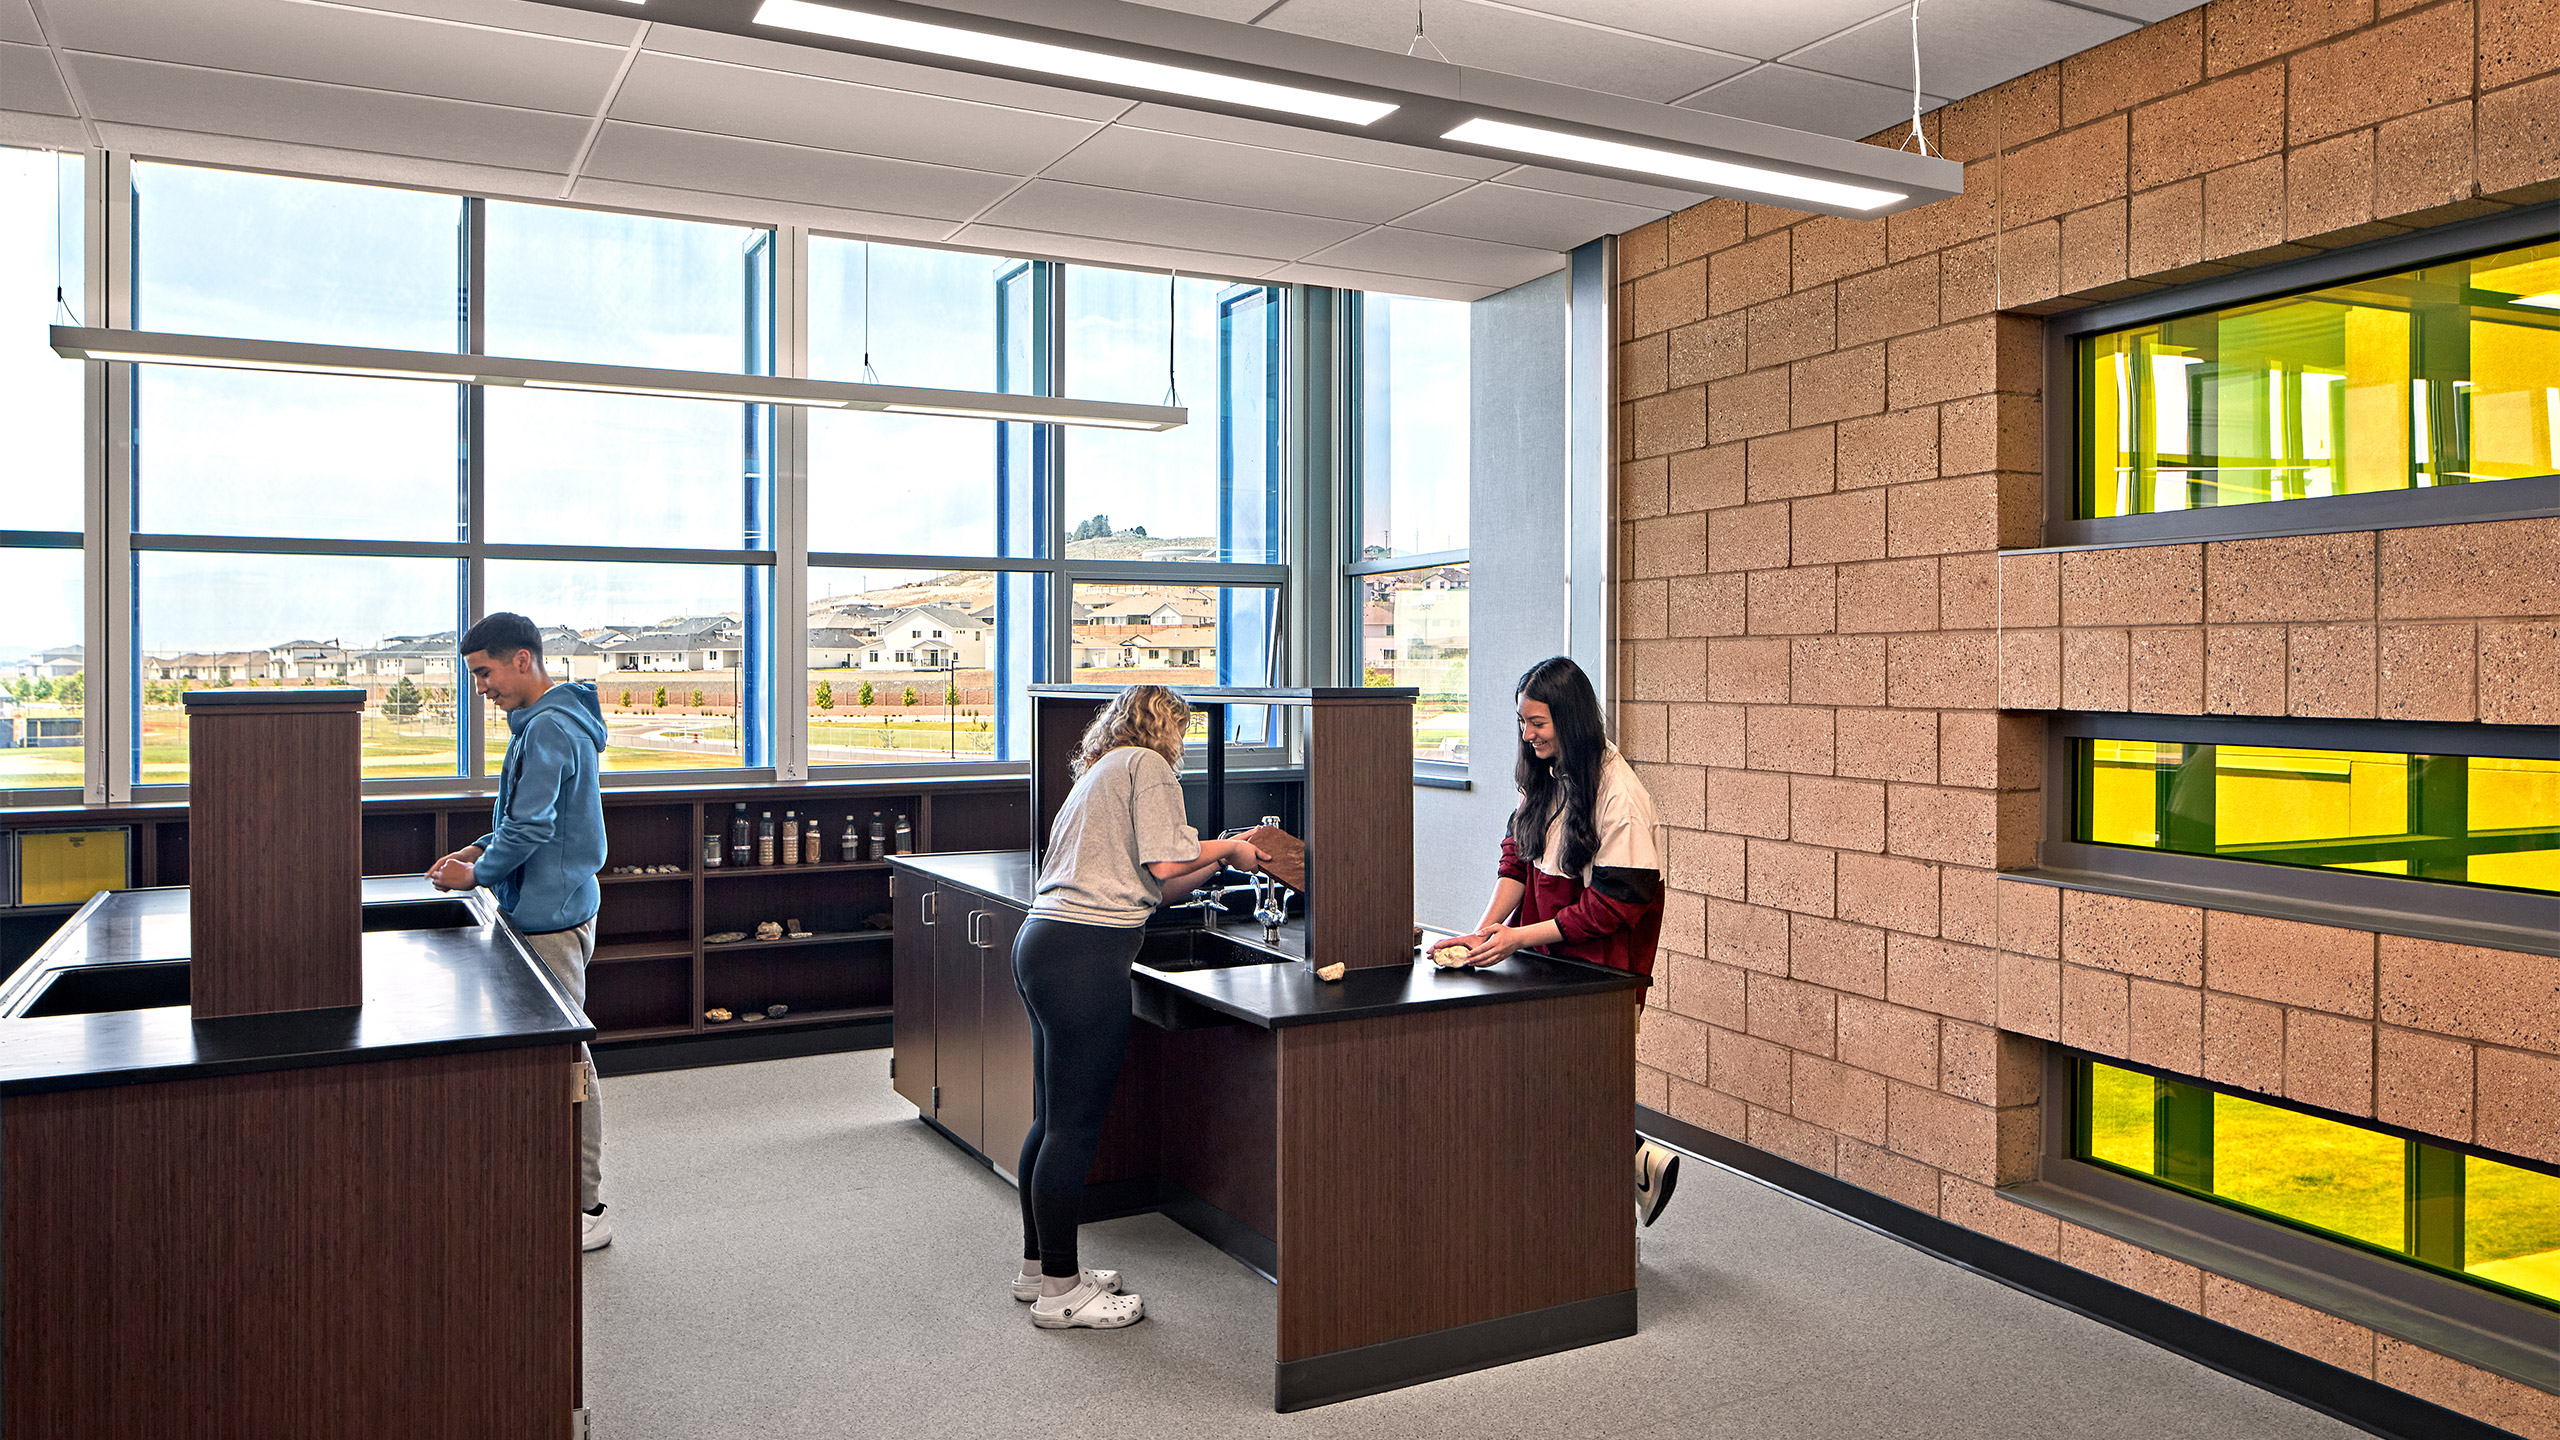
(567, 953)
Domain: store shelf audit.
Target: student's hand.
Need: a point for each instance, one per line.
(454, 872)
(1247, 858)
(1493, 945)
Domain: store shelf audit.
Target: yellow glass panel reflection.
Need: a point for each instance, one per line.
(2124, 799)
(2265, 794)
(2515, 399)
(2315, 1171)
(2513, 794)
(2511, 1226)
(2121, 1117)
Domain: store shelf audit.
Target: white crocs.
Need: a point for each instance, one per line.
(1026, 1288)
(1087, 1307)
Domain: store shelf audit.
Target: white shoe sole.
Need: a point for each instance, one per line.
(594, 1233)
(1102, 1312)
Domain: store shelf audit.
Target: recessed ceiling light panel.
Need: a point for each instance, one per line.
(1647, 160)
(1065, 62)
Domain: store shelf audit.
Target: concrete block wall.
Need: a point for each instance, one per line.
(1837, 633)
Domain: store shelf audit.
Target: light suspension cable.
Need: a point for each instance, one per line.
(1916, 132)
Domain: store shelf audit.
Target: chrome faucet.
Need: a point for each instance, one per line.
(1270, 906)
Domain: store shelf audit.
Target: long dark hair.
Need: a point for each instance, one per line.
(1571, 780)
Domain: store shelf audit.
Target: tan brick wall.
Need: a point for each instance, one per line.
(1832, 430)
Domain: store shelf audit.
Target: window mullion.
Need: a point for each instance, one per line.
(114, 755)
(791, 509)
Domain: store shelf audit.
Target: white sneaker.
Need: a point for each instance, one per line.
(594, 1231)
(1087, 1307)
(1026, 1288)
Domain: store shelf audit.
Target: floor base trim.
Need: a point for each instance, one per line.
(739, 1045)
(2340, 1394)
(1417, 1359)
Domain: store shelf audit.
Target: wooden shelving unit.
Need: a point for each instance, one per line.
(653, 977)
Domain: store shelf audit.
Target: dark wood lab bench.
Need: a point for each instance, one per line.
(345, 1221)
(1434, 1166)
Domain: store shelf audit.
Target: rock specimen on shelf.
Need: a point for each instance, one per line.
(752, 1017)
(725, 937)
(768, 930)
(776, 1012)
(882, 921)
(717, 1014)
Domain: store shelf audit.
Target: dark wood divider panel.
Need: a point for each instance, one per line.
(277, 911)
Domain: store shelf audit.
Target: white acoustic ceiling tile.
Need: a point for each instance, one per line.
(750, 210)
(687, 94)
(41, 132)
(1965, 45)
(887, 74)
(1378, 282)
(1438, 257)
(18, 23)
(1119, 254)
(2149, 12)
(361, 167)
(180, 97)
(344, 46)
(1151, 219)
(28, 81)
(529, 16)
(1537, 219)
(1516, 42)
(1739, 27)
(685, 160)
(1659, 198)
(1810, 100)
(1271, 135)
(1213, 170)
(1236, 10)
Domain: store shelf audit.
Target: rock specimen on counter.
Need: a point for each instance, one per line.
(1284, 856)
(1334, 971)
(1449, 956)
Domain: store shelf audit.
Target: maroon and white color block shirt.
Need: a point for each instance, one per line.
(1611, 913)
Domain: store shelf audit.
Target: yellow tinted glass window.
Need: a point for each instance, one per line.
(2461, 819)
(2511, 1226)
(2444, 375)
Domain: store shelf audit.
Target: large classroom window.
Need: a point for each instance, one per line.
(2494, 1221)
(1407, 567)
(2447, 374)
(43, 665)
(273, 528)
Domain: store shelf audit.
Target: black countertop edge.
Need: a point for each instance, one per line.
(203, 1069)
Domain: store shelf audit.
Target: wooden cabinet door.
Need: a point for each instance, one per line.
(911, 988)
(1005, 1037)
(958, 1090)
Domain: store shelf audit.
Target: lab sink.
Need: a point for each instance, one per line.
(97, 989)
(1180, 948)
(421, 915)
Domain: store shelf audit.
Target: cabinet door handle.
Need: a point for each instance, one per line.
(930, 905)
(978, 929)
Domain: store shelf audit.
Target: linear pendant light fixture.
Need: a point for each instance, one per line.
(144, 347)
(1150, 54)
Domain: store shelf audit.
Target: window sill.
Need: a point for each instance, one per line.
(2280, 905)
(1440, 775)
(2526, 497)
(2479, 1327)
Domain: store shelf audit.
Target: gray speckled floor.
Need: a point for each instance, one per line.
(796, 1255)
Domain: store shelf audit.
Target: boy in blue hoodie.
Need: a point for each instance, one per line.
(546, 842)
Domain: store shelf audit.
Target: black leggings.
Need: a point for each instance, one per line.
(1074, 980)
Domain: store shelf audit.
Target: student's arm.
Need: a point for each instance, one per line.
(1181, 877)
(533, 803)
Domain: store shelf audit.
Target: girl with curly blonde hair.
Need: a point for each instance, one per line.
(1117, 850)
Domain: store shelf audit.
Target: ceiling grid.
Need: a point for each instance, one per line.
(538, 101)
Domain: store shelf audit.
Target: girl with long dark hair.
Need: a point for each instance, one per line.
(1581, 872)
(1117, 849)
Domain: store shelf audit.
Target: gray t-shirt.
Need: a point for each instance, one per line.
(1124, 815)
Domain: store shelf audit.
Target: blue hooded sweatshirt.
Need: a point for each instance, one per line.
(541, 858)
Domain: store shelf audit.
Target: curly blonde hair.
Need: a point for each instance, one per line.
(1147, 716)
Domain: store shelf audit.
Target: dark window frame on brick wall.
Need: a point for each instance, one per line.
(2380, 510)
(2361, 900)
(2505, 1335)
